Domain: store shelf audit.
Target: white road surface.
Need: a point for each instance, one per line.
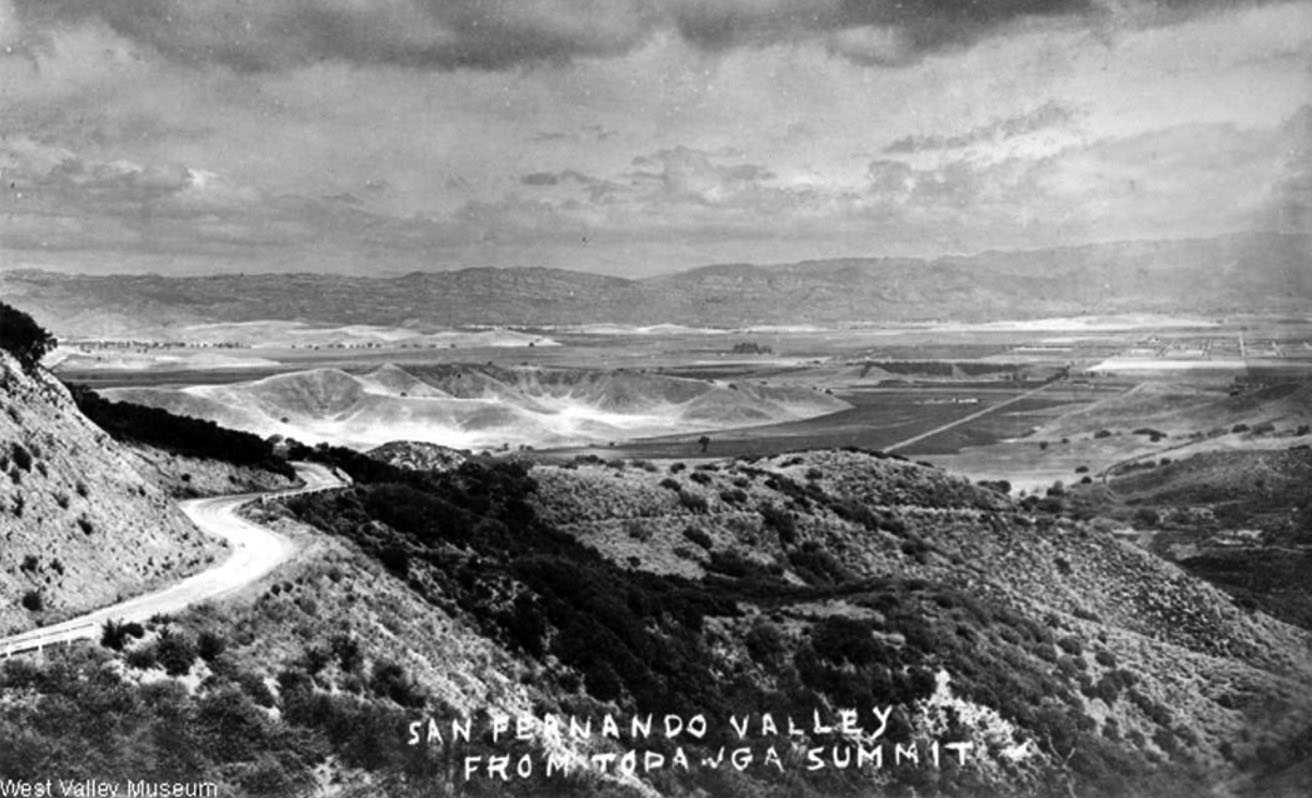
(255, 551)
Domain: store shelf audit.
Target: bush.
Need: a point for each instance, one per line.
(176, 652)
(765, 643)
(253, 685)
(21, 456)
(692, 502)
(1071, 645)
(733, 496)
(142, 658)
(114, 635)
(347, 651)
(781, 521)
(210, 645)
(699, 537)
(23, 338)
(390, 680)
(33, 602)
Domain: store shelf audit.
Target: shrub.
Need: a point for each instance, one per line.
(210, 645)
(817, 566)
(142, 658)
(21, 456)
(33, 602)
(85, 525)
(699, 537)
(390, 680)
(781, 521)
(176, 652)
(347, 651)
(23, 338)
(692, 501)
(733, 496)
(1071, 645)
(253, 685)
(114, 635)
(765, 643)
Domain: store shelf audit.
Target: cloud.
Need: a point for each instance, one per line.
(499, 34)
(690, 174)
(555, 178)
(1050, 114)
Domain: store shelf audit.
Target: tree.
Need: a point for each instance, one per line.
(23, 338)
(704, 441)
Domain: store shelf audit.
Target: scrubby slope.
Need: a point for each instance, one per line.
(1179, 409)
(416, 456)
(81, 528)
(1074, 662)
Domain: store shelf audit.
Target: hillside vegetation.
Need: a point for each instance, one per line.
(835, 579)
(1073, 663)
(178, 435)
(80, 527)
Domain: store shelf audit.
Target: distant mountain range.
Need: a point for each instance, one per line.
(1249, 272)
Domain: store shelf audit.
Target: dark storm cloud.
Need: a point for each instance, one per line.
(496, 34)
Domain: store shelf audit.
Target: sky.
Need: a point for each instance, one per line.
(636, 137)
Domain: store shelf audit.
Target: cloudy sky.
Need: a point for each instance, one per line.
(637, 136)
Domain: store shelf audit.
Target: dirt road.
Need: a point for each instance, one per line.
(255, 551)
(965, 419)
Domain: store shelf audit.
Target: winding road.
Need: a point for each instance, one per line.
(255, 551)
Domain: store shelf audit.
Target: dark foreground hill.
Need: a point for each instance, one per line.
(1062, 660)
(1238, 273)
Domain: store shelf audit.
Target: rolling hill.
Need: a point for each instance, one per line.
(475, 407)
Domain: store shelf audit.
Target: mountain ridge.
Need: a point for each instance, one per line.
(1235, 273)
